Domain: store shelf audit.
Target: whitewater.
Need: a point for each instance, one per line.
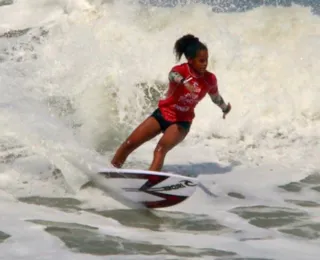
(76, 77)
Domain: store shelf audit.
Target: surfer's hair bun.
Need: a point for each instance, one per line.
(188, 45)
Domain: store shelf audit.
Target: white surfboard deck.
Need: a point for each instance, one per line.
(148, 188)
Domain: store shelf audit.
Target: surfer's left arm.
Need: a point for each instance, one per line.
(218, 99)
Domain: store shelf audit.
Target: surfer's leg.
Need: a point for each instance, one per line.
(173, 135)
(147, 130)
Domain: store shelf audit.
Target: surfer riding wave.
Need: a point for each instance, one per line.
(189, 83)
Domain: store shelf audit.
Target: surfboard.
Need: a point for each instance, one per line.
(148, 188)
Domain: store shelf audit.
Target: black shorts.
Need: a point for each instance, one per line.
(164, 124)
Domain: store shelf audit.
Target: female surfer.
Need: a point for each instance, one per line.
(188, 84)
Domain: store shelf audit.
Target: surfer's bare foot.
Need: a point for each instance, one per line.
(116, 164)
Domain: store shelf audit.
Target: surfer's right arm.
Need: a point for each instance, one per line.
(179, 79)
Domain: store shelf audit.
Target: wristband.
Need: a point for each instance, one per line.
(184, 81)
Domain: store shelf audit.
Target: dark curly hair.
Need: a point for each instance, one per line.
(188, 45)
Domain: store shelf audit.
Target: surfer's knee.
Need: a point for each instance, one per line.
(160, 150)
(129, 145)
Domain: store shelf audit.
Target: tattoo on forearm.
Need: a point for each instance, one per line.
(217, 99)
(175, 77)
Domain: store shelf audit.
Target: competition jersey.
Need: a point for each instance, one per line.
(179, 103)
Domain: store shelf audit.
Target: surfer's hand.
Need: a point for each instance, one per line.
(226, 110)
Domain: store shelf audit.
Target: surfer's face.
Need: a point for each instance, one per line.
(200, 62)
